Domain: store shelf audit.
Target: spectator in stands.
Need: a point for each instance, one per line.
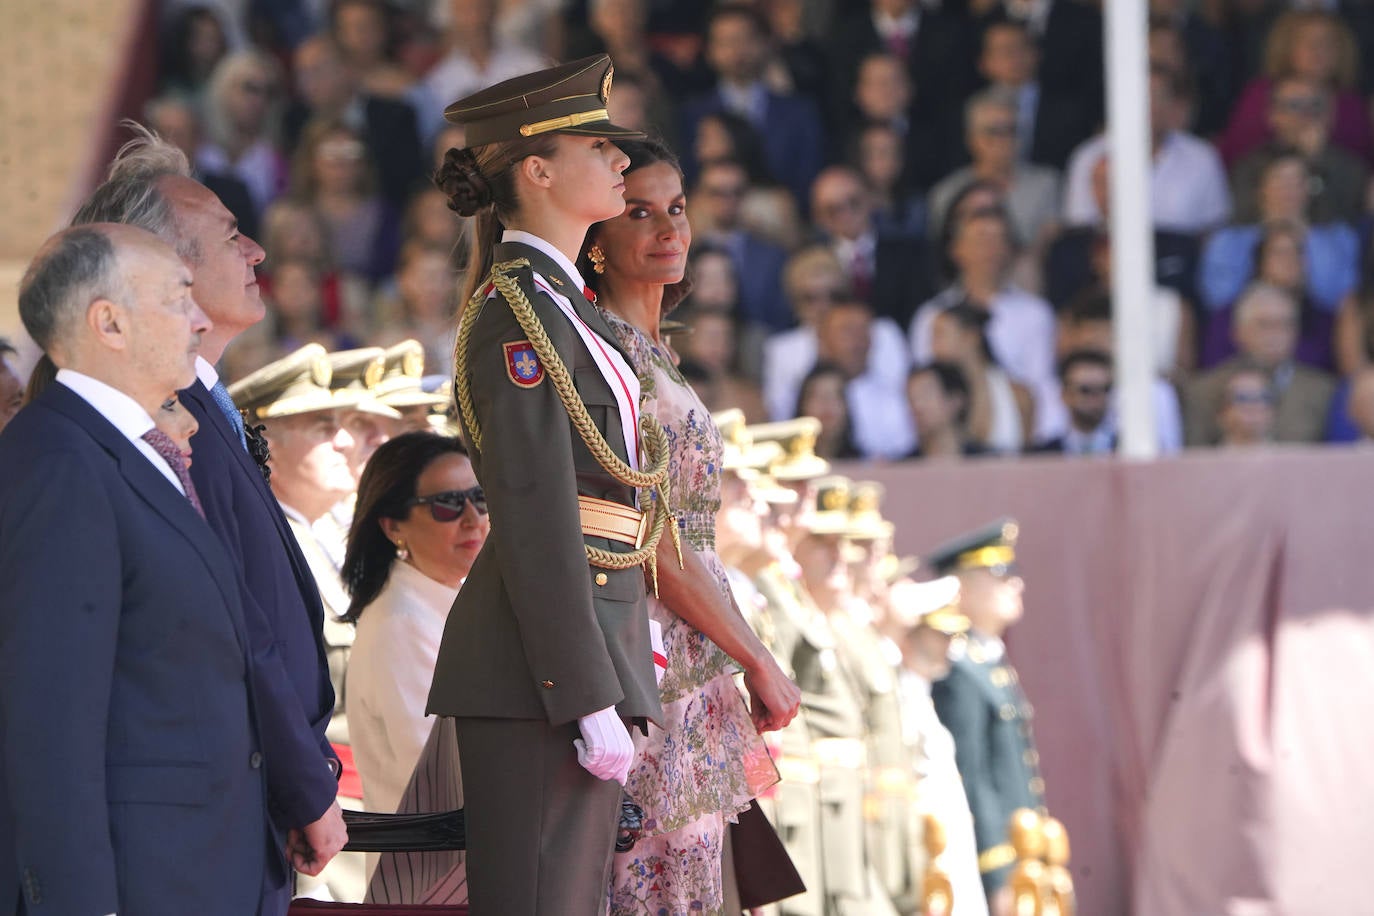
(714, 206)
(1353, 341)
(736, 50)
(1001, 412)
(195, 42)
(1085, 378)
(1265, 327)
(1070, 261)
(428, 220)
(11, 389)
(710, 360)
(814, 281)
(1331, 249)
(1280, 260)
(877, 402)
(1246, 415)
(328, 88)
(938, 394)
(1020, 329)
(620, 28)
(420, 521)
(1188, 189)
(1030, 192)
(424, 308)
(364, 31)
(800, 62)
(333, 173)
(1086, 324)
(1300, 115)
(883, 94)
(767, 209)
(295, 318)
(175, 120)
(887, 272)
(1317, 46)
(294, 230)
(1207, 55)
(241, 122)
(823, 397)
(477, 56)
(1048, 125)
(897, 208)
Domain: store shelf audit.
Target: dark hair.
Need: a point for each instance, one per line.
(176, 63)
(746, 143)
(953, 221)
(1082, 357)
(971, 318)
(480, 182)
(819, 371)
(1089, 305)
(387, 484)
(385, 11)
(1269, 233)
(642, 153)
(80, 267)
(952, 382)
(44, 374)
(743, 11)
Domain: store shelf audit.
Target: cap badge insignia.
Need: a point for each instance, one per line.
(606, 85)
(522, 365)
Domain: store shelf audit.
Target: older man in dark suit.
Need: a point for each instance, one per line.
(131, 779)
(149, 187)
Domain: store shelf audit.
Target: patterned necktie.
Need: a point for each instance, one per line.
(231, 413)
(167, 449)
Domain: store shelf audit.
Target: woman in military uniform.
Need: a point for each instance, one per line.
(546, 659)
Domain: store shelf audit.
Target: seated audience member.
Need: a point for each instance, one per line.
(883, 96)
(1265, 329)
(726, 136)
(736, 50)
(716, 220)
(1313, 45)
(11, 389)
(240, 118)
(938, 395)
(196, 39)
(881, 421)
(1300, 112)
(1020, 328)
(1085, 380)
(174, 119)
(429, 221)
(887, 272)
(1332, 250)
(421, 520)
(333, 172)
(823, 396)
(424, 307)
(1086, 324)
(1280, 260)
(814, 281)
(1186, 37)
(710, 360)
(1072, 259)
(476, 55)
(364, 31)
(1245, 416)
(1048, 124)
(897, 209)
(295, 231)
(1030, 193)
(1188, 189)
(1001, 412)
(800, 61)
(297, 318)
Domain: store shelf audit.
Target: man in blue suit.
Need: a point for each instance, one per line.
(149, 186)
(131, 779)
(788, 125)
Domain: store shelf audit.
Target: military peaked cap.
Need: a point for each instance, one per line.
(992, 546)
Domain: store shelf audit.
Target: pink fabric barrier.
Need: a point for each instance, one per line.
(1199, 648)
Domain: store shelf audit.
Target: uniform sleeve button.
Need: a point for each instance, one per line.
(548, 685)
(601, 579)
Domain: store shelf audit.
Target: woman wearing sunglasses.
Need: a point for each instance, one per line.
(421, 520)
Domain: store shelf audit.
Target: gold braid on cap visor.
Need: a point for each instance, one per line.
(572, 120)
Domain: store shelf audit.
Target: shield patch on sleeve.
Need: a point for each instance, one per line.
(522, 365)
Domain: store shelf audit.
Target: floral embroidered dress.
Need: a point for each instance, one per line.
(705, 766)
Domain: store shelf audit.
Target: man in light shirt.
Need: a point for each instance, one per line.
(131, 778)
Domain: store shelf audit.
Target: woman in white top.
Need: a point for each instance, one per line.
(421, 520)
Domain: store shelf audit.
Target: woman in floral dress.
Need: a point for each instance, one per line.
(709, 761)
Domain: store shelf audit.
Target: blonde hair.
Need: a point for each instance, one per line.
(1278, 48)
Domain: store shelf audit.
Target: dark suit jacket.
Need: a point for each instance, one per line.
(901, 277)
(130, 778)
(1061, 123)
(1068, 264)
(793, 142)
(532, 634)
(758, 271)
(284, 615)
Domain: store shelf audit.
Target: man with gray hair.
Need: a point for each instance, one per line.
(131, 776)
(149, 186)
(1264, 326)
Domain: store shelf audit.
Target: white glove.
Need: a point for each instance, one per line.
(660, 653)
(605, 749)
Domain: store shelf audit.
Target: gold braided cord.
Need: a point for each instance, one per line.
(654, 437)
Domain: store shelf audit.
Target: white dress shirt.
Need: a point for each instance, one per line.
(389, 674)
(789, 355)
(457, 75)
(1189, 192)
(123, 412)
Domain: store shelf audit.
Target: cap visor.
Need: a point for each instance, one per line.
(603, 129)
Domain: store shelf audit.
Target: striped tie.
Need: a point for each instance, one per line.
(168, 451)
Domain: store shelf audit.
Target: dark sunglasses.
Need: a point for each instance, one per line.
(449, 505)
(1089, 391)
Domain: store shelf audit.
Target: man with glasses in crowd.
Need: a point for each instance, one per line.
(1085, 380)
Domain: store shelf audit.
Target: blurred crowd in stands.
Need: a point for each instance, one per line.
(898, 206)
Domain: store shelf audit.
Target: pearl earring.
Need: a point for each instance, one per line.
(401, 552)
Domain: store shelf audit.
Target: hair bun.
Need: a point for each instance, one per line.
(462, 180)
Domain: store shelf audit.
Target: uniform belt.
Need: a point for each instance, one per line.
(614, 521)
(846, 753)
